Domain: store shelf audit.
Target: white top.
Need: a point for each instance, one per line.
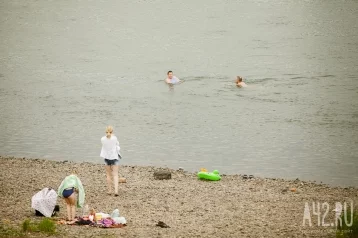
(110, 148)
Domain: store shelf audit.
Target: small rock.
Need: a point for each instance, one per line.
(161, 174)
(285, 190)
(162, 224)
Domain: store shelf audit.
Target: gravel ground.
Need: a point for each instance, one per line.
(232, 207)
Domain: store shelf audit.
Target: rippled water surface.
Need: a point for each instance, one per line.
(69, 68)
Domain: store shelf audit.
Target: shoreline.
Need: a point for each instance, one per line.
(231, 207)
(187, 171)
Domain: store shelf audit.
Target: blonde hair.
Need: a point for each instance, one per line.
(110, 130)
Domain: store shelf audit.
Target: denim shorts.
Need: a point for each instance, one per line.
(111, 162)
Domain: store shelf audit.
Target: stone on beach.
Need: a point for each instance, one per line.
(162, 174)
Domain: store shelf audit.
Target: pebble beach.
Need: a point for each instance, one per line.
(231, 207)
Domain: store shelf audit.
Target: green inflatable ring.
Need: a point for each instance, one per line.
(214, 176)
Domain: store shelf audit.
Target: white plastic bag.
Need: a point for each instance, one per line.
(119, 220)
(115, 213)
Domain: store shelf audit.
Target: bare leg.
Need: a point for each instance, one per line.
(68, 207)
(72, 201)
(109, 178)
(115, 178)
(73, 211)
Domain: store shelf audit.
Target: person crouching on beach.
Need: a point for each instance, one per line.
(240, 83)
(71, 189)
(110, 154)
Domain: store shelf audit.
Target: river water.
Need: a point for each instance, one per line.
(69, 68)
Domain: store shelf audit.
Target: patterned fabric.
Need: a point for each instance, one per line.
(44, 201)
(107, 222)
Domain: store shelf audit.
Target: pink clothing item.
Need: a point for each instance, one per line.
(107, 222)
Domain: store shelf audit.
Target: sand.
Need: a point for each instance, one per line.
(232, 207)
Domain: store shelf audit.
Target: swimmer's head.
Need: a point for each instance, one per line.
(170, 74)
(238, 79)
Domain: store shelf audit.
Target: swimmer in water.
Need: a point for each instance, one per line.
(240, 83)
(171, 79)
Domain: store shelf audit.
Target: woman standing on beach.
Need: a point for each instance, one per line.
(110, 154)
(70, 187)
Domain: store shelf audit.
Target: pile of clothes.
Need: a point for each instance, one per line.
(102, 220)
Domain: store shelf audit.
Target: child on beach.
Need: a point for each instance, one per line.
(240, 83)
(110, 154)
(72, 191)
